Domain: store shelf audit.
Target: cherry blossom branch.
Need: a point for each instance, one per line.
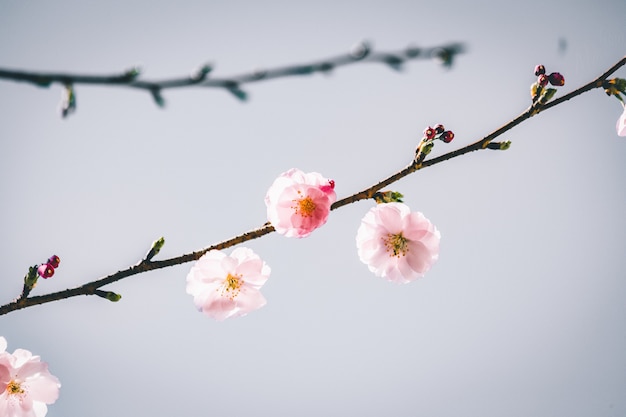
(419, 162)
(361, 52)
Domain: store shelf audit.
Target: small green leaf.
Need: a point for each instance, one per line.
(547, 94)
(156, 247)
(388, 197)
(239, 93)
(109, 295)
(158, 98)
(31, 277)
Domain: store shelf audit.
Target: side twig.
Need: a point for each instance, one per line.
(92, 288)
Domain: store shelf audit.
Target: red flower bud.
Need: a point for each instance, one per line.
(542, 80)
(429, 133)
(540, 69)
(439, 129)
(54, 261)
(556, 79)
(447, 136)
(45, 270)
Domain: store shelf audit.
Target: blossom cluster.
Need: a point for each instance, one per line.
(538, 91)
(26, 385)
(47, 270)
(395, 243)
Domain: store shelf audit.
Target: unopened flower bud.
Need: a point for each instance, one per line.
(328, 188)
(542, 80)
(556, 79)
(447, 136)
(540, 69)
(45, 270)
(439, 129)
(429, 133)
(54, 261)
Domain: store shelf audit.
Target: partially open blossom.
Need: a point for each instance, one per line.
(621, 124)
(298, 203)
(225, 286)
(397, 244)
(45, 270)
(26, 385)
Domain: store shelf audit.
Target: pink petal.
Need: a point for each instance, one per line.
(621, 124)
(44, 388)
(40, 409)
(390, 217)
(419, 257)
(249, 299)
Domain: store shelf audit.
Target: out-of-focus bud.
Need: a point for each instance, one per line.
(556, 79)
(542, 80)
(439, 129)
(540, 69)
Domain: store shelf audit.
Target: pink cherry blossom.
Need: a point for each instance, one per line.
(298, 203)
(225, 286)
(397, 244)
(26, 384)
(621, 124)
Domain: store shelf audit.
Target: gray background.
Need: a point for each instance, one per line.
(524, 313)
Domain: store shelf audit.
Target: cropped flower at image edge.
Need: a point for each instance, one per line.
(26, 384)
(621, 124)
(397, 244)
(225, 286)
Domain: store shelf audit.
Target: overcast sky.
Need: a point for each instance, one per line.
(523, 314)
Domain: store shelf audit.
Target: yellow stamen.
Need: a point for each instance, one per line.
(232, 286)
(304, 207)
(397, 245)
(14, 387)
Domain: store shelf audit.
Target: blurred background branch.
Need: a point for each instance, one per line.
(362, 52)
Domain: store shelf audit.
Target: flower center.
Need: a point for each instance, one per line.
(304, 207)
(14, 387)
(396, 244)
(232, 286)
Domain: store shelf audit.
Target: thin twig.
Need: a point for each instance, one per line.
(361, 52)
(417, 164)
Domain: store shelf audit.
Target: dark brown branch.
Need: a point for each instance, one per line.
(418, 163)
(360, 53)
